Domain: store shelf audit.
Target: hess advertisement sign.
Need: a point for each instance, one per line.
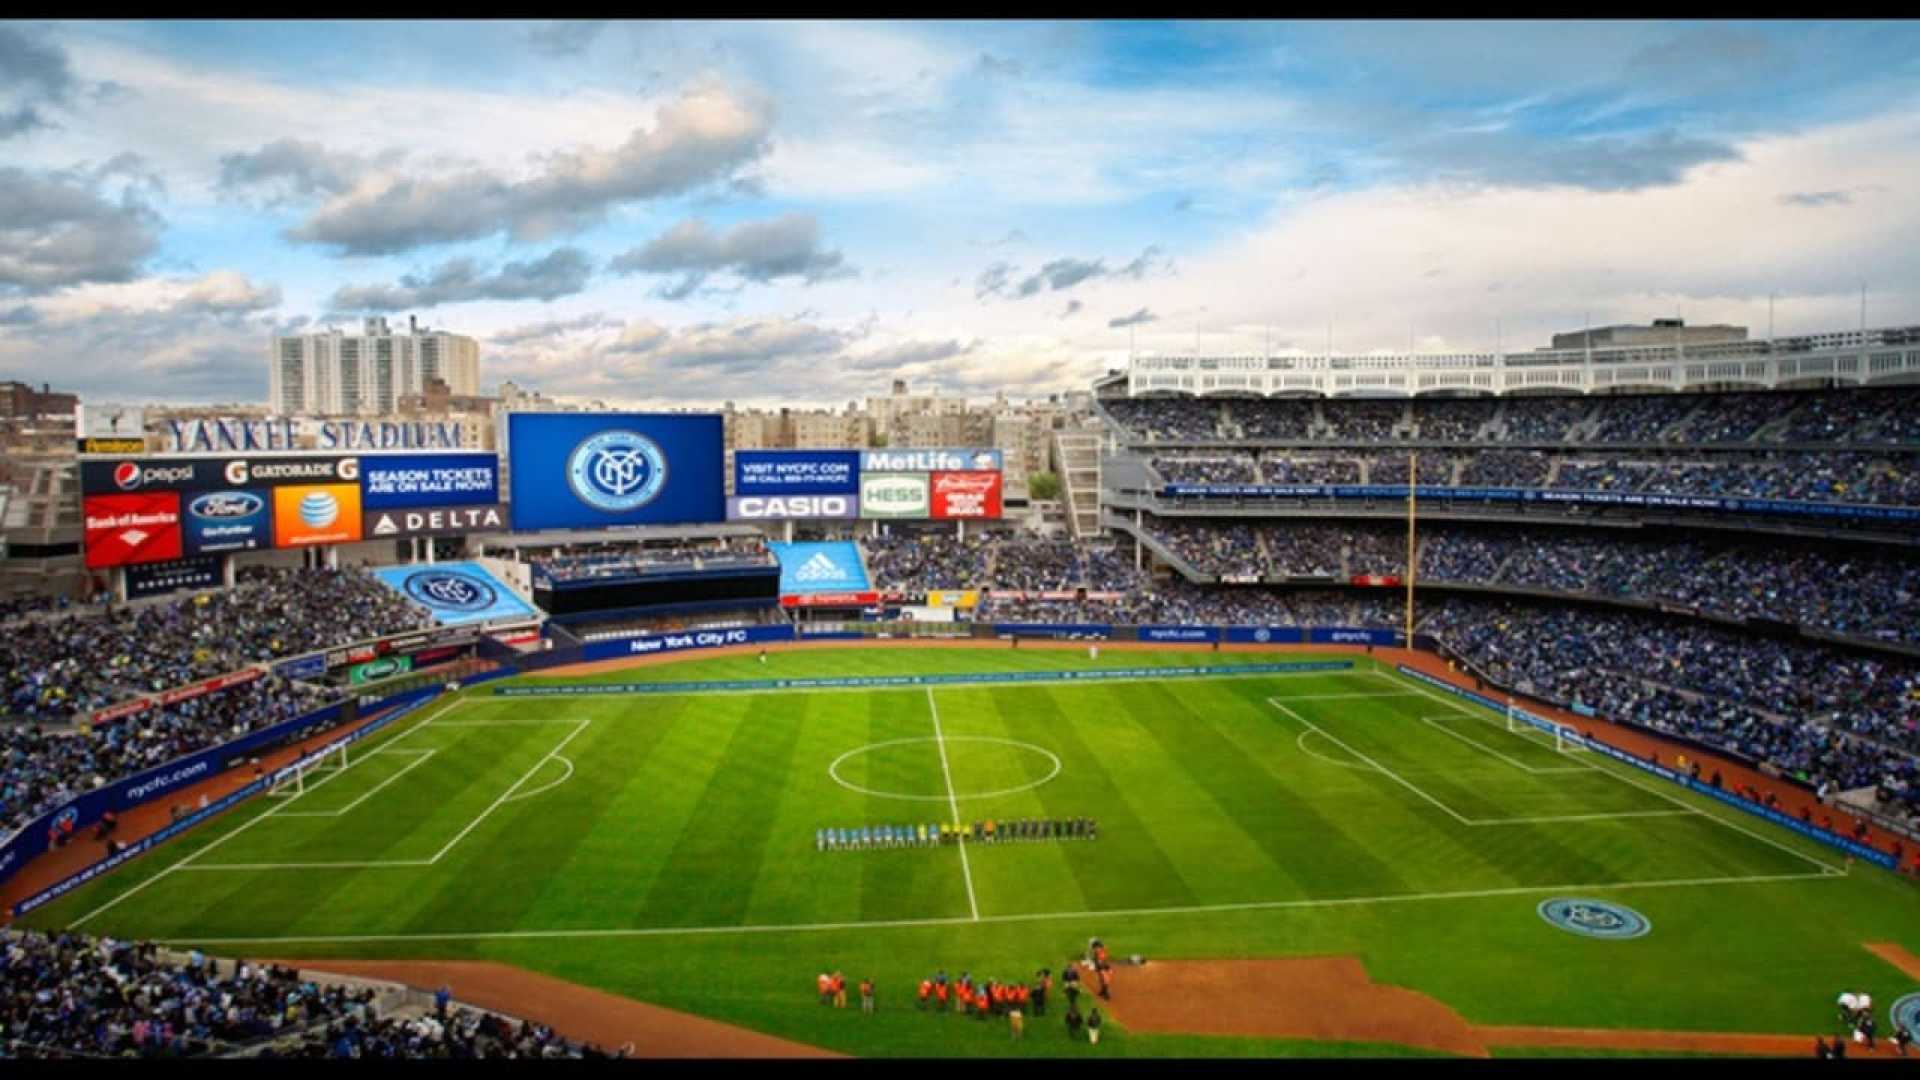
(965, 495)
(894, 495)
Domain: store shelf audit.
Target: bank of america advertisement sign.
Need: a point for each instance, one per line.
(894, 495)
(590, 470)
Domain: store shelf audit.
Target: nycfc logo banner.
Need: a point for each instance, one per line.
(1905, 1013)
(617, 471)
(592, 470)
(448, 590)
(461, 592)
(1595, 918)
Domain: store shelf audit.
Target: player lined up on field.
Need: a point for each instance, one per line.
(873, 837)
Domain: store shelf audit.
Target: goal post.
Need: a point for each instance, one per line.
(1568, 741)
(295, 783)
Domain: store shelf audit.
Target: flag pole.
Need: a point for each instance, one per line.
(1413, 475)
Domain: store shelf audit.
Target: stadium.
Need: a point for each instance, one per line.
(921, 578)
(1660, 681)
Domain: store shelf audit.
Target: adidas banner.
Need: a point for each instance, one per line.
(822, 573)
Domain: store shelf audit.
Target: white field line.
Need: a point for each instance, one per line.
(953, 804)
(884, 924)
(203, 868)
(1301, 742)
(1334, 673)
(1613, 769)
(497, 803)
(1461, 818)
(1381, 769)
(184, 863)
(1341, 697)
(1434, 722)
(420, 759)
(564, 777)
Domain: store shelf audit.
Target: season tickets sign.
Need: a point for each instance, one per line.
(416, 480)
(965, 495)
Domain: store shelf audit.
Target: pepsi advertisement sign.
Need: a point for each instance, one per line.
(796, 472)
(592, 470)
(406, 481)
(458, 592)
(233, 520)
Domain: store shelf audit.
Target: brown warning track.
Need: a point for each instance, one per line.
(578, 1012)
(1898, 956)
(1324, 998)
(1332, 999)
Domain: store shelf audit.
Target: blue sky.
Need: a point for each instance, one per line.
(669, 213)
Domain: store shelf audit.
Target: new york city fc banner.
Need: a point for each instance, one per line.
(591, 470)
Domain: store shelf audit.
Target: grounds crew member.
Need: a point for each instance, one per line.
(1073, 1021)
(826, 988)
(866, 994)
(839, 991)
(1093, 1025)
(926, 991)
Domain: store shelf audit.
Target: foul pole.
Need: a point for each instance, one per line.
(1413, 476)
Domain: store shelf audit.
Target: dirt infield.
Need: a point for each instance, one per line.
(1324, 998)
(577, 1012)
(1331, 999)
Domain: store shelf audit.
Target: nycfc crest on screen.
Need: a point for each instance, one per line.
(617, 471)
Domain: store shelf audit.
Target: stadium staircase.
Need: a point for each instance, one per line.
(1078, 453)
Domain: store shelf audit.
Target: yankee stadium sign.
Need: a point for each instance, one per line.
(232, 433)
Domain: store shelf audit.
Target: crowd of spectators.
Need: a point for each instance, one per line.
(1506, 468)
(26, 604)
(1224, 548)
(1283, 467)
(67, 996)
(1210, 469)
(56, 667)
(41, 768)
(1363, 421)
(1882, 415)
(1167, 419)
(1283, 418)
(1543, 419)
(1391, 467)
(912, 561)
(1834, 719)
(1454, 419)
(617, 559)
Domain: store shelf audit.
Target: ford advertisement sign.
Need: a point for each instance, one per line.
(232, 520)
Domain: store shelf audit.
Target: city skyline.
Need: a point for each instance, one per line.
(670, 214)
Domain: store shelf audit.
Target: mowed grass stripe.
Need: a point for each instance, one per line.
(1124, 867)
(610, 861)
(706, 878)
(1311, 849)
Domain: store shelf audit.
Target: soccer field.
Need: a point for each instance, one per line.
(662, 845)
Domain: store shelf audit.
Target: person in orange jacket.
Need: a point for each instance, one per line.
(940, 992)
(839, 990)
(826, 988)
(926, 992)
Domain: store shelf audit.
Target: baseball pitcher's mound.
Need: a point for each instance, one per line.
(577, 1012)
(1327, 998)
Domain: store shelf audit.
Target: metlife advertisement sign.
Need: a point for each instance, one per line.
(796, 472)
(978, 459)
(591, 470)
(414, 480)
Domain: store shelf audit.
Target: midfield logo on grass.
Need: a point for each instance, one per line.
(1595, 918)
(1905, 1011)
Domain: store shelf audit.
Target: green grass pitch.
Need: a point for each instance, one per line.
(662, 846)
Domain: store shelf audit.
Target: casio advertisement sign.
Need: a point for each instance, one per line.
(789, 507)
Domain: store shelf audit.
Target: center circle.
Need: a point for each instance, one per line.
(833, 770)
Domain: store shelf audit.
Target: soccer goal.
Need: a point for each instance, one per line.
(1567, 740)
(295, 782)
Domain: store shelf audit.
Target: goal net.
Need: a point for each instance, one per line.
(295, 782)
(1568, 741)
